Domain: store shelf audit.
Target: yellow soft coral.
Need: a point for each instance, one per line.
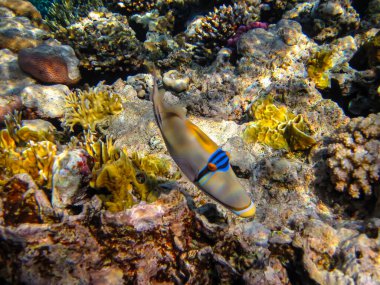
(128, 179)
(27, 147)
(319, 66)
(36, 159)
(88, 108)
(277, 127)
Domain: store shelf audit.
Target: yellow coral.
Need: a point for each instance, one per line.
(25, 147)
(128, 179)
(277, 127)
(319, 66)
(36, 160)
(88, 108)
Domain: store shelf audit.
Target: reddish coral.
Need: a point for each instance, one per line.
(243, 29)
(44, 67)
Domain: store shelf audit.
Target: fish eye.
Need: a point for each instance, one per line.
(141, 177)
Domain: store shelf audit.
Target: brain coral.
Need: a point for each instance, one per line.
(354, 156)
(103, 41)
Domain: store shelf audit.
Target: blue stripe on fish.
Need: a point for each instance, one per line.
(221, 161)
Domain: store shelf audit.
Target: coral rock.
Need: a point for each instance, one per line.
(50, 64)
(45, 101)
(18, 33)
(24, 9)
(36, 130)
(71, 175)
(358, 254)
(176, 81)
(12, 78)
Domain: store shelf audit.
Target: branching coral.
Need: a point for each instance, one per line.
(354, 157)
(277, 127)
(63, 13)
(210, 33)
(103, 41)
(128, 179)
(88, 108)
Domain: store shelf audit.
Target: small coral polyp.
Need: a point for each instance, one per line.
(277, 127)
(88, 108)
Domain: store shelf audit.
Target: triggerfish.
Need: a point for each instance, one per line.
(199, 158)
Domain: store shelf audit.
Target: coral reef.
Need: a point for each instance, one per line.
(325, 20)
(210, 33)
(103, 41)
(88, 108)
(78, 208)
(132, 6)
(354, 157)
(50, 64)
(277, 127)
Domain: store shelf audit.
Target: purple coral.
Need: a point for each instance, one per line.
(243, 29)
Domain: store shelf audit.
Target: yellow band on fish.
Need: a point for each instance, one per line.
(247, 212)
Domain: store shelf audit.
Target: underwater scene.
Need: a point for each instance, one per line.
(190, 142)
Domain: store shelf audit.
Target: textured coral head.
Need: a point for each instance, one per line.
(44, 67)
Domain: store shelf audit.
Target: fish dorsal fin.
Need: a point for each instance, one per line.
(208, 144)
(173, 111)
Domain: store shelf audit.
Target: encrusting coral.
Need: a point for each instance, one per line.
(277, 127)
(88, 108)
(354, 157)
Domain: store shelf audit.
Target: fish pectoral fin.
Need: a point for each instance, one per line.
(190, 171)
